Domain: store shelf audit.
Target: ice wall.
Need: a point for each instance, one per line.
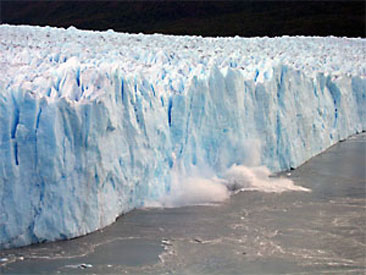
(86, 135)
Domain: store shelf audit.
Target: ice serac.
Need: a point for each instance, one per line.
(91, 127)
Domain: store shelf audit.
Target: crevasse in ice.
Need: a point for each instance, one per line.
(94, 124)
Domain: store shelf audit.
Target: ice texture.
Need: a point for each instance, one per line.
(94, 124)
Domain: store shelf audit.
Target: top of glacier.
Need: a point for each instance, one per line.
(75, 64)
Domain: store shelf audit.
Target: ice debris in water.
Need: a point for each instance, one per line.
(81, 266)
(94, 124)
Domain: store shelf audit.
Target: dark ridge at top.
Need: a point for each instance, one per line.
(206, 18)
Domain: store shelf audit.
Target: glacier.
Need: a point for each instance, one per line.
(94, 124)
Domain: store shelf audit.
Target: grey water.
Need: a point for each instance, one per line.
(321, 232)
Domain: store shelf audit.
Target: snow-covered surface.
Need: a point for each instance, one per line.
(94, 124)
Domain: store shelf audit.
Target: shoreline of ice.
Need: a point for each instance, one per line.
(93, 125)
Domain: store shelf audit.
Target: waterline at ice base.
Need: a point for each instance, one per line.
(95, 124)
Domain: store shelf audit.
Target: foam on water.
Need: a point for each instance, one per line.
(94, 124)
(200, 190)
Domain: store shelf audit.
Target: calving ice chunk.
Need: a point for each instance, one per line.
(94, 124)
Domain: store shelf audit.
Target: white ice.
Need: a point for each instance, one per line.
(94, 124)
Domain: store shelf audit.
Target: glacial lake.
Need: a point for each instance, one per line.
(321, 232)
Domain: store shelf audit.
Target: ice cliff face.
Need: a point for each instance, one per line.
(93, 124)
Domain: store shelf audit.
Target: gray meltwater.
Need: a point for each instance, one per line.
(321, 232)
